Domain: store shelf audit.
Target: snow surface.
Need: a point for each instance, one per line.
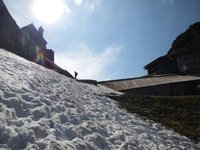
(41, 109)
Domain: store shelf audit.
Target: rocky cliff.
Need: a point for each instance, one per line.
(187, 42)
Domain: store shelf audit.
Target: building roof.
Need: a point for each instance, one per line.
(159, 59)
(126, 84)
(31, 27)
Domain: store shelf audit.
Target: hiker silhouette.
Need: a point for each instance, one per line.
(75, 74)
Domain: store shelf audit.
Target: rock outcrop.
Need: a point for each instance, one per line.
(187, 42)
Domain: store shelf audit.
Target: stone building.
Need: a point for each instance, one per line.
(49, 54)
(162, 65)
(189, 63)
(33, 43)
(27, 42)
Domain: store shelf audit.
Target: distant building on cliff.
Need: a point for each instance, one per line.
(27, 42)
(183, 57)
(34, 44)
(162, 65)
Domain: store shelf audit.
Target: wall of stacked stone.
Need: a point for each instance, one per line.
(49, 53)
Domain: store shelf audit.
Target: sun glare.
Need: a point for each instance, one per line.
(48, 11)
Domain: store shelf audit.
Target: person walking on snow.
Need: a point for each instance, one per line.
(75, 74)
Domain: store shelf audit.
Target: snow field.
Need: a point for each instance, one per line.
(41, 109)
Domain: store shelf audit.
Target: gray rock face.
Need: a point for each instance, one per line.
(187, 42)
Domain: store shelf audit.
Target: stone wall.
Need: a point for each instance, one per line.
(189, 63)
(49, 53)
(172, 89)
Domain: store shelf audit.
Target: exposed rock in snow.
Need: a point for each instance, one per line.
(41, 109)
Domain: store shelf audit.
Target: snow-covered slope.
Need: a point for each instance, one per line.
(41, 109)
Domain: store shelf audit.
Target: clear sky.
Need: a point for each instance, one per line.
(110, 39)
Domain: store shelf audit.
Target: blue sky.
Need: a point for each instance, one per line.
(111, 39)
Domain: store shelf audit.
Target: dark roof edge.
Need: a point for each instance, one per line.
(147, 76)
(157, 59)
(32, 25)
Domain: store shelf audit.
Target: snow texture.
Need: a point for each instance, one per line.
(41, 109)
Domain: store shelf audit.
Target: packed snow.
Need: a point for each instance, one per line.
(41, 109)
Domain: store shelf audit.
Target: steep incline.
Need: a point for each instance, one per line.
(41, 109)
